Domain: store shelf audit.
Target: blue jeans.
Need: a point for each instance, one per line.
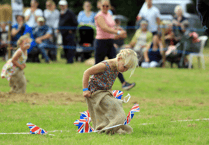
(43, 46)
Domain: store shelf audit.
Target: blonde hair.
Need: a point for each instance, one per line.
(178, 7)
(106, 1)
(20, 40)
(130, 58)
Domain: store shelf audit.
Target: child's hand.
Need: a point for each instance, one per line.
(87, 94)
(22, 66)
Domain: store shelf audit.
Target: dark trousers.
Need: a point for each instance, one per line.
(105, 48)
(69, 46)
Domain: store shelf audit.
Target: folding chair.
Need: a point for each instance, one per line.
(200, 54)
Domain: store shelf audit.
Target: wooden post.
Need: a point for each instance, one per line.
(7, 18)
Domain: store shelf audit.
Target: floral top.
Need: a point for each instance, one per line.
(103, 81)
(9, 69)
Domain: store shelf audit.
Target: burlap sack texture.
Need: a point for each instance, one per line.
(106, 111)
(18, 82)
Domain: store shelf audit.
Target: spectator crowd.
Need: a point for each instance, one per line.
(45, 27)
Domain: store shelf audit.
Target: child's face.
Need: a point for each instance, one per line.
(121, 65)
(26, 44)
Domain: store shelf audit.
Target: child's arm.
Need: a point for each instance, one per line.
(98, 68)
(15, 58)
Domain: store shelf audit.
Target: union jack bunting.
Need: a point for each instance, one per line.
(85, 115)
(35, 129)
(83, 125)
(135, 108)
(117, 94)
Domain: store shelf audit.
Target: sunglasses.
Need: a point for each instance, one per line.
(107, 6)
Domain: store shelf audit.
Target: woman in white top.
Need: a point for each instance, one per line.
(51, 14)
(32, 14)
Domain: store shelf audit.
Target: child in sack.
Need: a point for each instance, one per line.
(105, 110)
(13, 69)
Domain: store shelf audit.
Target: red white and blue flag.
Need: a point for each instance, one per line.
(35, 129)
(117, 94)
(83, 125)
(85, 115)
(135, 108)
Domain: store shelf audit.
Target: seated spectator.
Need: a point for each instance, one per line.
(170, 38)
(51, 14)
(189, 44)
(119, 40)
(177, 22)
(86, 16)
(20, 29)
(32, 14)
(141, 39)
(3, 39)
(153, 53)
(42, 34)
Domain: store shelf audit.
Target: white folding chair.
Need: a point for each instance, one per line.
(200, 54)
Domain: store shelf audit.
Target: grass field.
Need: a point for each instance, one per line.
(54, 100)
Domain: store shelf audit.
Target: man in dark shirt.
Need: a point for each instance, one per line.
(203, 11)
(67, 19)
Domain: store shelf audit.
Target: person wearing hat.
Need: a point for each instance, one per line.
(32, 14)
(67, 19)
(140, 40)
(42, 34)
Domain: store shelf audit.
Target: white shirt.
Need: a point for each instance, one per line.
(31, 22)
(150, 15)
(17, 9)
(52, 18)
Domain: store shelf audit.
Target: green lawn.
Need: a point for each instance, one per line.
(164, 95)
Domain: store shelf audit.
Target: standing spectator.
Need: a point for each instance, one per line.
(51, 14)
(178, 22)
(140, 40)
(153, 54)
(32, 14)
(17, 9)
(99, 5)
(86, 16)
(42, 34)
(3, 39)
(152, 15)
(203, 11)
(67, 18)
(105, 38)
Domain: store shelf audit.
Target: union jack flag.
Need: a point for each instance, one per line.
(83, 125)
(35, 129)
(117, 94)
(135, 108)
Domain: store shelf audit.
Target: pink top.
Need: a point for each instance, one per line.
(109, 21)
